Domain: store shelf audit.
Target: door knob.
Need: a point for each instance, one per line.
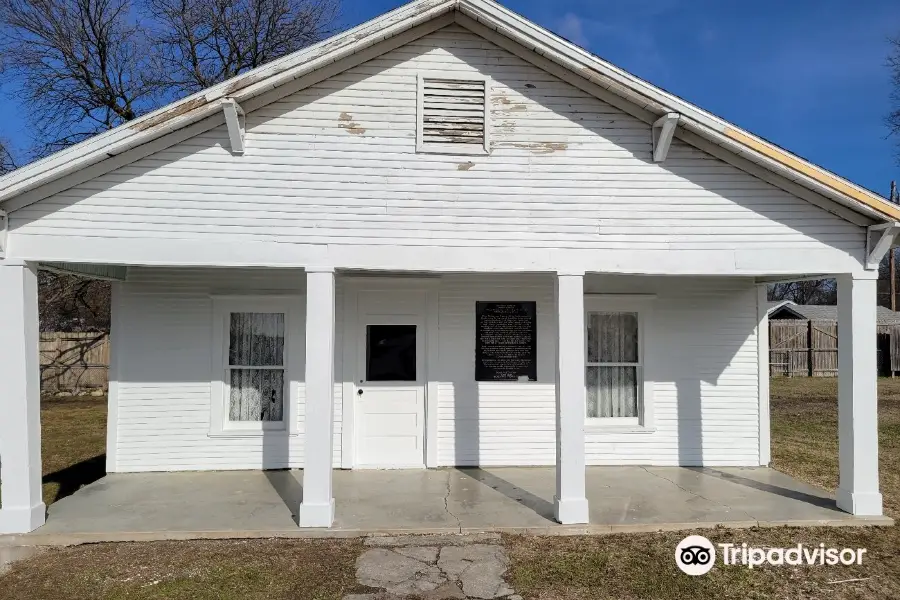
(359, 392)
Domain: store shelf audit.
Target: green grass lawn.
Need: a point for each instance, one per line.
(638, 566)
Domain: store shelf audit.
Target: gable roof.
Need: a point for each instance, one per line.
(183, 119)
(828, 312)
(786, 305)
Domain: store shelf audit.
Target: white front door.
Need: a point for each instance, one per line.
(390, 380)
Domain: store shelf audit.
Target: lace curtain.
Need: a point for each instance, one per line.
(613, 365)
(256, 365)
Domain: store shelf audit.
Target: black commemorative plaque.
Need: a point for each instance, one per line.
(506, 341)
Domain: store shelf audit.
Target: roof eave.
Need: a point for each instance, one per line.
(206, 103)
(646, 97)
(660, 102)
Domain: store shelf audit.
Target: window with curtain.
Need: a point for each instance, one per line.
(613, 377)
(256, 367)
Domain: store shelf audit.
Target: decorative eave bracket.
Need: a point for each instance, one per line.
(879, 240)
(234, 119)
(663, 132)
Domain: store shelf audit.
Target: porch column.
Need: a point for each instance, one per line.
(22, 509)
(571, 505)
(317, 508)
(763, 358)
(858, 395)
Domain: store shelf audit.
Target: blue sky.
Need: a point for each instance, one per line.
(809, 75)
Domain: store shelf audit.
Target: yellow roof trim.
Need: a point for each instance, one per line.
(773, 152)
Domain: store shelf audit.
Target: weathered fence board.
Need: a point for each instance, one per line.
(799, 348)
(74, 362)
(894, 333)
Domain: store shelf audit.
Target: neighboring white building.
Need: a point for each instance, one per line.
(445, 237)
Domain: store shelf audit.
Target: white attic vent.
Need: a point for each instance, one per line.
(453, 115)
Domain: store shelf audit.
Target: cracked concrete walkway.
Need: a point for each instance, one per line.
(434, 568)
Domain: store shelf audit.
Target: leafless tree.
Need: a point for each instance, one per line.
(86, 66)
(6, 160)
(199, 43)
(893, 118)
(82, 65)
(822, 291)
(72, 303)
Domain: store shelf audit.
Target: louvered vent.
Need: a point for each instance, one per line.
(453, 113)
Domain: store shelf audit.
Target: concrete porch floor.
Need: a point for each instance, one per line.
(153, 506)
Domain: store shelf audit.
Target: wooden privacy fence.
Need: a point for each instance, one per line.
(800, 348)
(803, 348)
(74, 362)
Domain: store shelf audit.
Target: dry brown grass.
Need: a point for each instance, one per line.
(804, 434)
(73, 444)
(642, 566)
(199, 570)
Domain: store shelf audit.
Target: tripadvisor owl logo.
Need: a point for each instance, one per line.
(695, 555)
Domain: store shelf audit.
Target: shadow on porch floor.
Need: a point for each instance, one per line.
(263, 504)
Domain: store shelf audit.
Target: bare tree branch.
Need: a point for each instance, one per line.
(199, 43)
(893, 118)
(82, 65)
(7, 163)
(822, 291)
(85, 66)
(72, 303)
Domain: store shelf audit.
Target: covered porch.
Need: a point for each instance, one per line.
(700, 402)
(122, 507)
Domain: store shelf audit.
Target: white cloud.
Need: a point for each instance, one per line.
(571, 27)
(623, 34)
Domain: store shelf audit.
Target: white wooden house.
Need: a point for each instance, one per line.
(445, 237)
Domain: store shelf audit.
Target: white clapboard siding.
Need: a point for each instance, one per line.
(701, 355)
(337, 164)
(493, 423)
(164, 367)
(701, 348)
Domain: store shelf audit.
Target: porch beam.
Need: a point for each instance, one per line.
(570, 502)
(93, 271)
(858, 395)
(23, 509)
(317, 508)
(792, 278)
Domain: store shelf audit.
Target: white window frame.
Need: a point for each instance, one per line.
(223, 307)
(423, 147)
(642, 305)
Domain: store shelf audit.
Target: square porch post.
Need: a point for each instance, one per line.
(23, 508)
(570, 502)
(858, 394)
(317, 508)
